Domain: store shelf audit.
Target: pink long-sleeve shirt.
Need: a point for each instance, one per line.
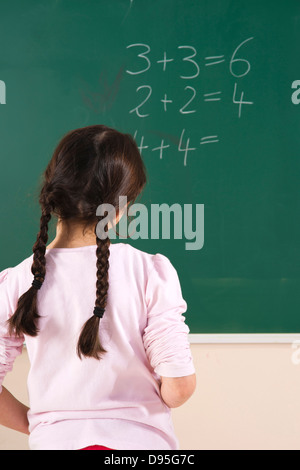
(114, 402)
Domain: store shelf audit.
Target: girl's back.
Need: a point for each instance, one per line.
(91, 381)
(143, 332)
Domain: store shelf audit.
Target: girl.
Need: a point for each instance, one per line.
(106, 339)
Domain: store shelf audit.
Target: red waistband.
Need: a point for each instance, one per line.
(96, 448)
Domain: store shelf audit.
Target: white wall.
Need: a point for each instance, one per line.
(247, 397)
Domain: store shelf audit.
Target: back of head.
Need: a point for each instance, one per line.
(90, 166)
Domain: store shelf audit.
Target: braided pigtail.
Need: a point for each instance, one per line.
(24, 320)
(89, 344)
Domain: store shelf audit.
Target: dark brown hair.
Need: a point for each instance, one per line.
(90, 166)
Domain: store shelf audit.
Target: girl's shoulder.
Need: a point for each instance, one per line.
(17, 274)
(3, 275)
(150, 262)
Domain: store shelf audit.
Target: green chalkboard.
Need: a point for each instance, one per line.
(210, 91)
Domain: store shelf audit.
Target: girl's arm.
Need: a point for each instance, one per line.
(13, 414)
(175, 391)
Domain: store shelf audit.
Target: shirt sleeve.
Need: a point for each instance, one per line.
(10, 346)
(166, 334)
